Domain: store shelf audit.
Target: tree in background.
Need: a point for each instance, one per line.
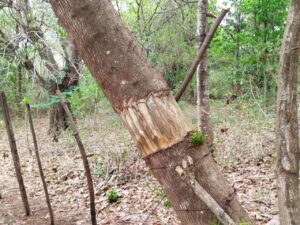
(204, 122)
(288, 153)
(245, 53)
(40, 46)
(165, 30)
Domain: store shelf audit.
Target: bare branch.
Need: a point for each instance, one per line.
(201, 53)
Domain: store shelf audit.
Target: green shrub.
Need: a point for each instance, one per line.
(26, 101)
(167, 204)
(197, 138)
(112, 195)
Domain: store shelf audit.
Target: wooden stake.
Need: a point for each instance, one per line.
(36, 151)
(83, 156)
(186, 172)
(201, 53)
(14, 152)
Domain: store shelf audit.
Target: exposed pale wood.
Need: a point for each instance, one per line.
(201, 53)
(83, 156)
(14, 152)
(37, 155)
(150, 124)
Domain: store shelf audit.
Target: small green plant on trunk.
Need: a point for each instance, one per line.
(197, 138)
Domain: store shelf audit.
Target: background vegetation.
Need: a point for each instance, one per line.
(243, 57)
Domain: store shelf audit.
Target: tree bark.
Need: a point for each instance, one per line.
(14, 152)
(204, 122)
(287, 121)
(144, 102)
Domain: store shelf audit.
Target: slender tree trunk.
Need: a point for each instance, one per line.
(204, 123)
(14, 152)
(83, 156)
(144, 102)
(39, 162)
(287, 121)
(20, 83)
(201, 53)
(236, 84)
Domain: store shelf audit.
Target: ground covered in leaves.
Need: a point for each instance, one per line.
(244, 150)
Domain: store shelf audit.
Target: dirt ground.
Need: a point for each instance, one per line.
(244, 150)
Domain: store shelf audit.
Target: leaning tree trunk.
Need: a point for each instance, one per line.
(204, 123)
(144, 102)
(287, 121)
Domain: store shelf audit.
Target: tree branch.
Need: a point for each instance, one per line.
(201, 53)
(186, 172)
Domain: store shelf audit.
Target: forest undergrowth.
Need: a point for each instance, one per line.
(244, 149)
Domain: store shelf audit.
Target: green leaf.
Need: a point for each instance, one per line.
(26, 101)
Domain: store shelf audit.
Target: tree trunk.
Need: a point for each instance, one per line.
(20, 84)
(14, 152)
(58, 116)
(39, 162)
(287, 121)
(204, 123)
(58, 121)
(144, 102)
(83, 156)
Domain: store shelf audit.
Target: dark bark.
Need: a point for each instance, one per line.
(83, 156)
(14, 152)
(37, 155)
(20, 83)
(187, 205)
(143, 100)
(288, 153)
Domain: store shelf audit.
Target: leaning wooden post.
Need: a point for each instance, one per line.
(83, 156)
(36, 151)
(14, 152)
(201, 53)
(187, 173)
